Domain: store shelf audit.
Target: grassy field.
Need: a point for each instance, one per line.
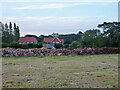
(87, 71)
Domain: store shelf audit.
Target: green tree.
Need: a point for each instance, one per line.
(89, 38)
(58, 45)
(112, 32)
(11, 32)
(75, 44)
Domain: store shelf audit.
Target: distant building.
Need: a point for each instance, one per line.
(53, 40)
(26, 40)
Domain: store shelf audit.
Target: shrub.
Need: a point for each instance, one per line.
(75, 44)
(31, 45)
(4, 45)
(58, 45)
(39, 45)
(25, 46)
(66, 45)
(14, 45)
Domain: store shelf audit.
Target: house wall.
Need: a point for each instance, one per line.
(27, 42)
(48, 45)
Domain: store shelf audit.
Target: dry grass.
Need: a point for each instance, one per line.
(88, 71)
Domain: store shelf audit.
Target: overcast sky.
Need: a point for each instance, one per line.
(61, 17)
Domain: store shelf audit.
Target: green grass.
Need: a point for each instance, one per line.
(87, 71)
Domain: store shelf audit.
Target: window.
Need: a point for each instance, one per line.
(31, 42)
(23, 42)
(27, 42)
(19, 42)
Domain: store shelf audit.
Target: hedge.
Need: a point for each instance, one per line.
(23, 46)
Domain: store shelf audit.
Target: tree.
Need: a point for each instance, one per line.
(17, 33)
(58, 45)
(112, 32)
(66, 45)
(10, 27)
(1, 30)
(89, 38)
(75, 44)
(55, 35)
(11, 32)
(7, 33)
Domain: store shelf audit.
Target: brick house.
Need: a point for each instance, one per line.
(27, 40)
(53, 40)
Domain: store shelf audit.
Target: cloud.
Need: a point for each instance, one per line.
(27, 18)
(59, 5)
(55, 18)
(46, 6)
(50, 24)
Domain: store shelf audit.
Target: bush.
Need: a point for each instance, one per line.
(66, 45)
(14, 45)
(39, 45)
(31, 45)
(25, 46)
(75, 44)
(58, 45)
(4, 45)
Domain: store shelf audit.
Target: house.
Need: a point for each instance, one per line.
(53, 40)
(27, 40)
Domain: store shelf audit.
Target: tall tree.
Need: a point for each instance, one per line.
(90, 37)
(17, 33)
(11, 32)
(10, 27)
(5, 34)
(112, 32)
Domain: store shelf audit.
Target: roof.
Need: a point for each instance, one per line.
(51, 39)
(27, 39)
(62, 40)
(48, 39)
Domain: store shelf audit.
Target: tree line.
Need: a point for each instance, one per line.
(10, 32)
(107, 35)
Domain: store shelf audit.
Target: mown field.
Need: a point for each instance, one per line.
(87, 71)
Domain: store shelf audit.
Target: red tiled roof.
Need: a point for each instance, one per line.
(48, 39)
(27, 39)
(51, 39)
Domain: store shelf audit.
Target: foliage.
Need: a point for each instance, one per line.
(31, 45)
(66, 45)
(25, 46)
(58, 45)
(14, 45)
(39, 45)
(10, 34)
(4, 45)
(110, 37)
(90, 37)
(75, 44)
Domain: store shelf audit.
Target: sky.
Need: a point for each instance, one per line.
(58, 17)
